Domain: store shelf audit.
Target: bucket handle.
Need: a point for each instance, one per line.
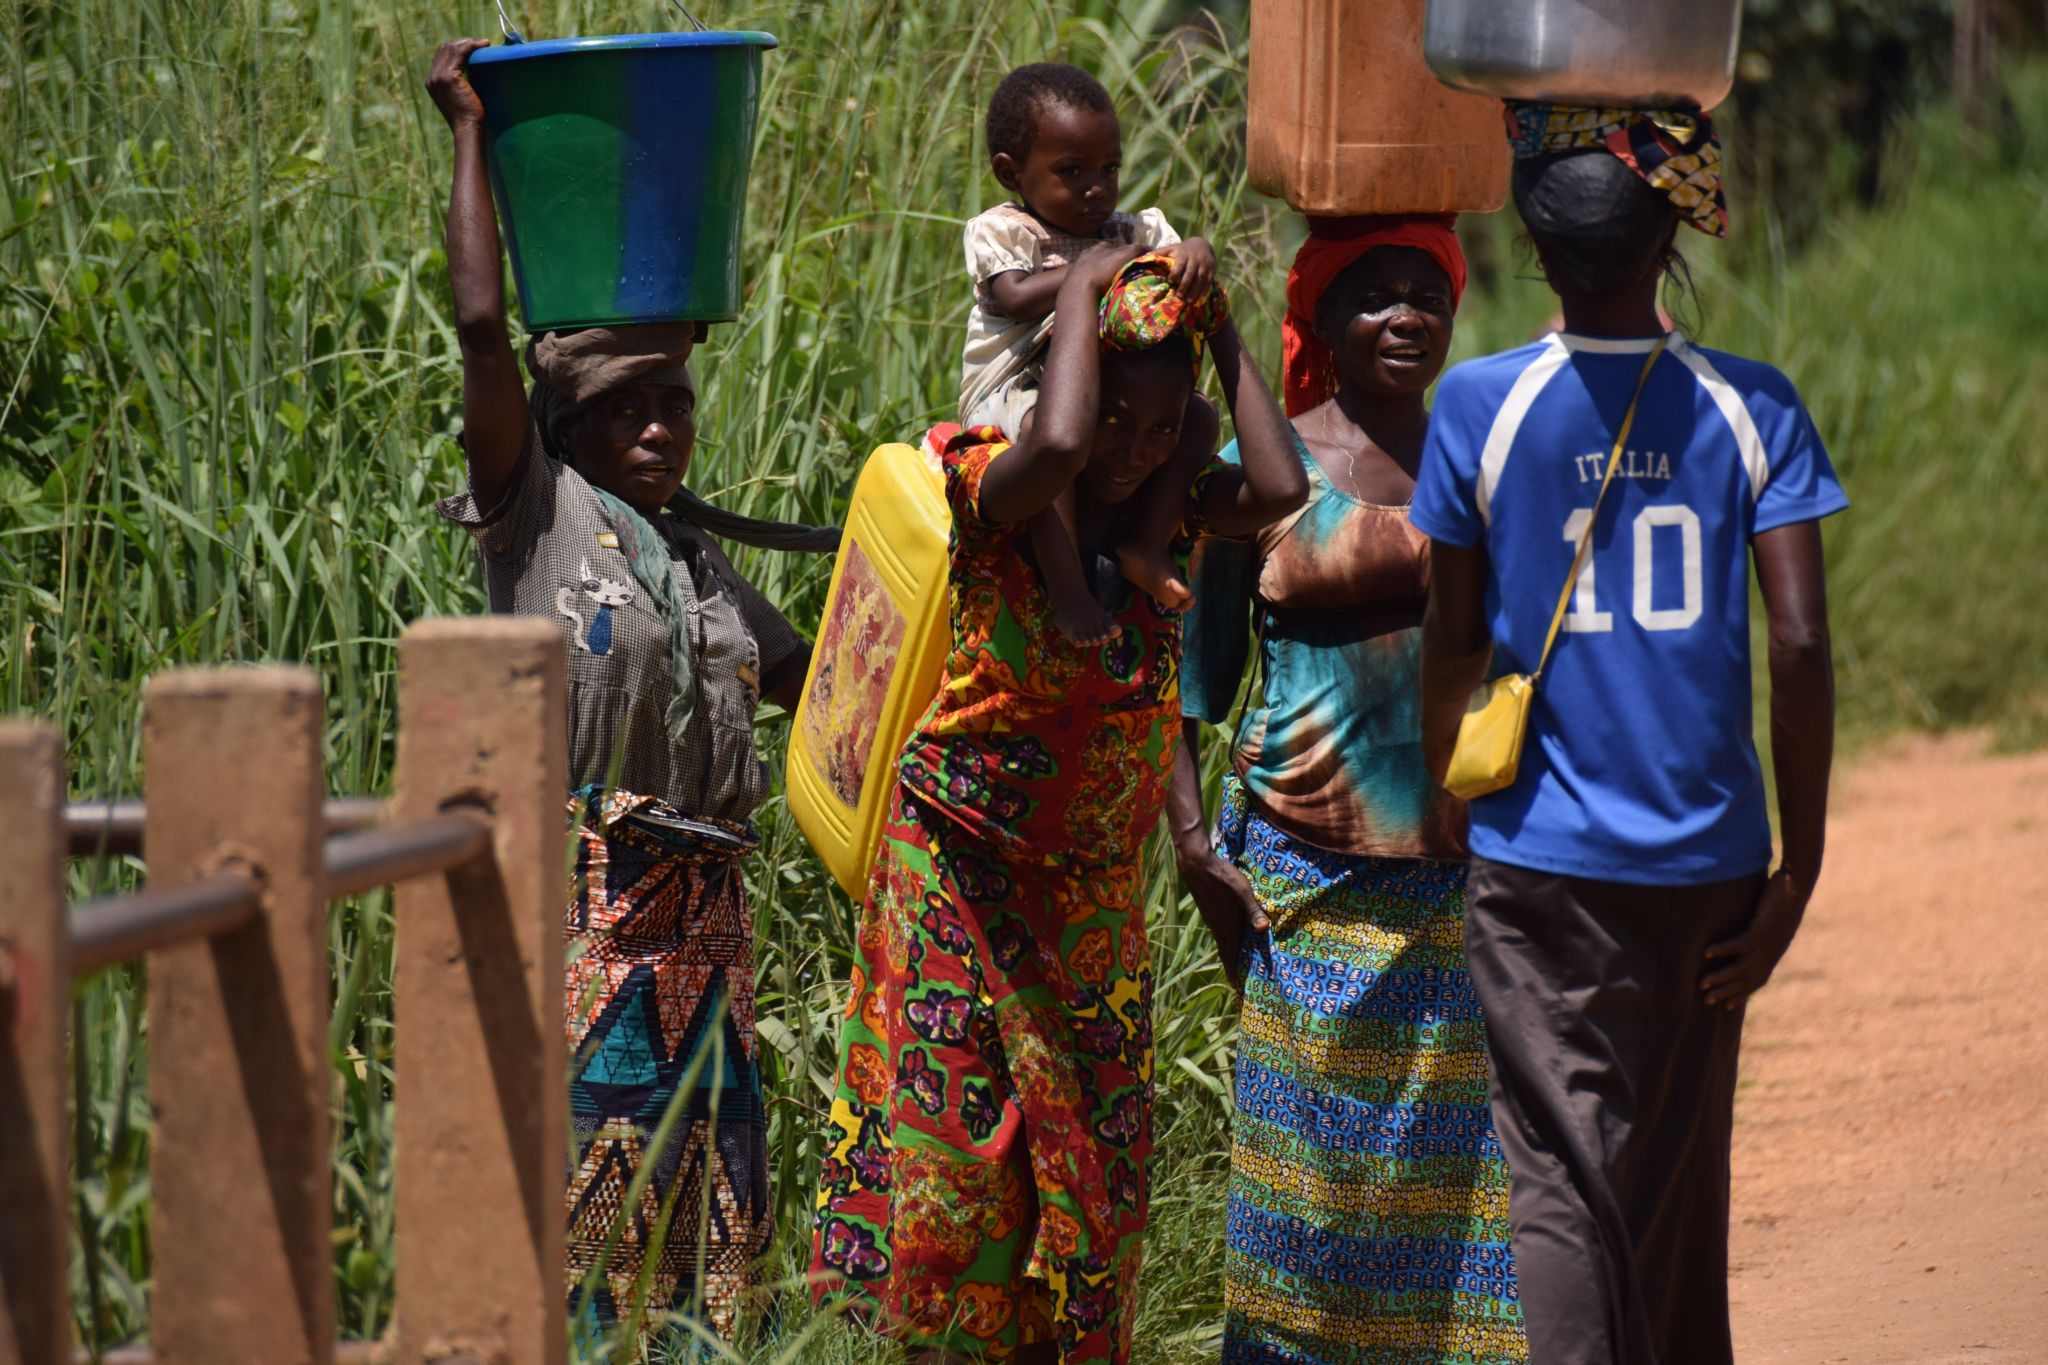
(512, 35)
(687, 15)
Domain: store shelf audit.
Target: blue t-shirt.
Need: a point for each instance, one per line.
(1640, 764)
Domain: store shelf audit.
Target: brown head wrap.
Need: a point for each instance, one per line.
(572, 370)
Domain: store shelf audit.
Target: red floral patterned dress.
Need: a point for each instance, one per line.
(985, 1185)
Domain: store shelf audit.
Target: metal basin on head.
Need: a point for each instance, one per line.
(1634, 53)
(620, 168)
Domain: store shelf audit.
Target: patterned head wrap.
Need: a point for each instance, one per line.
(1673, 150)
(1308, 367)
(1142, 309)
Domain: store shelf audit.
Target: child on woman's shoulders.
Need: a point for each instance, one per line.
(1054, 142)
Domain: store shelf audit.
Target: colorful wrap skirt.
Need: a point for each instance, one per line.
(1368, 1207)
(984, 1184)
(668, 1183)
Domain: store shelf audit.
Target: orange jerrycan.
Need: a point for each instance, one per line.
(876, 665)
(1346, 117)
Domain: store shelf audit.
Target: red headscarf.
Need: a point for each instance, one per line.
(1309, 371)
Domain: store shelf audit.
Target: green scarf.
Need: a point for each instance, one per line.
(647, 551)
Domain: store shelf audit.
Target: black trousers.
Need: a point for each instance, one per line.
(1613, 1088)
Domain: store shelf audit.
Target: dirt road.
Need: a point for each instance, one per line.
(1891, 1140)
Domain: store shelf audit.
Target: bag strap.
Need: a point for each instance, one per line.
(1571, 580)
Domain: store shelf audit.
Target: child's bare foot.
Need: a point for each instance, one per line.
(1082, 617)
(1155, 572)
(1084, 621)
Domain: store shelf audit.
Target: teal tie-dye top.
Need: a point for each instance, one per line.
(1330, 747)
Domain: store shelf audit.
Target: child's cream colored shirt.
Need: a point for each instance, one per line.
(1010, 237)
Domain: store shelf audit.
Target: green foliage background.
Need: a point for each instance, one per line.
(228, 384)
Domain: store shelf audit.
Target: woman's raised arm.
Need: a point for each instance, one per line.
(1274, 482)
(494, 414)
(1048, 460)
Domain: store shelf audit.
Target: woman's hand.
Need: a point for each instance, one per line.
(1194, 265)
(1228, 904)
(495, 417)
(1095, 269)
(448, 83)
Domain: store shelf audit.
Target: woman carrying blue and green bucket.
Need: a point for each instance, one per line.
(576, 501)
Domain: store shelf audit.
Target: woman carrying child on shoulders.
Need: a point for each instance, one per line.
(1054, 142)
(985, 1183)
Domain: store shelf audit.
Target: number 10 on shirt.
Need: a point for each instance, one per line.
(1586, 616)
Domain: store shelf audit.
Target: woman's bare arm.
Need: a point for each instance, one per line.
(1223, 895)
(1795, 593)
(1273, 482)
(1053, 453)
(1794, 583)
(494, 414)
(1456, 647)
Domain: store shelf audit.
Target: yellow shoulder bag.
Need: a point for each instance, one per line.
(1489, 751)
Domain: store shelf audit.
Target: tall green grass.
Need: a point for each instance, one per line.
(1916, 334)
(228, 384)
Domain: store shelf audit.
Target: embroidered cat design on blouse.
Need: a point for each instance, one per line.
(607, 593)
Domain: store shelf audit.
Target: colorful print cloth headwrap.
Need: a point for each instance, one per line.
(1308, 367)
(1673, 150)
(1142, 308)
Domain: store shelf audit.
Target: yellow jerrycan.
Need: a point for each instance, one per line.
(876, 665)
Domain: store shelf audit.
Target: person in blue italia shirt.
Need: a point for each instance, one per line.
(1621, 907)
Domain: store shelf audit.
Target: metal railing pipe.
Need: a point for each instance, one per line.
(345, 1353)
(117, 928)
(394, 853)
(113, 829)
(109, 829)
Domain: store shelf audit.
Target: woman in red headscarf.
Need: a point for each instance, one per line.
(1368, 1214)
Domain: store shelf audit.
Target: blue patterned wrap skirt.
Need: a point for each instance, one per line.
(1368, 1210)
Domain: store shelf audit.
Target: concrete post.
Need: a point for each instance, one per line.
(482, 1091)
(35, 995)
(238, 1025)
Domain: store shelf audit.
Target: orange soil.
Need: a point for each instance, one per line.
(1891, 1140)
